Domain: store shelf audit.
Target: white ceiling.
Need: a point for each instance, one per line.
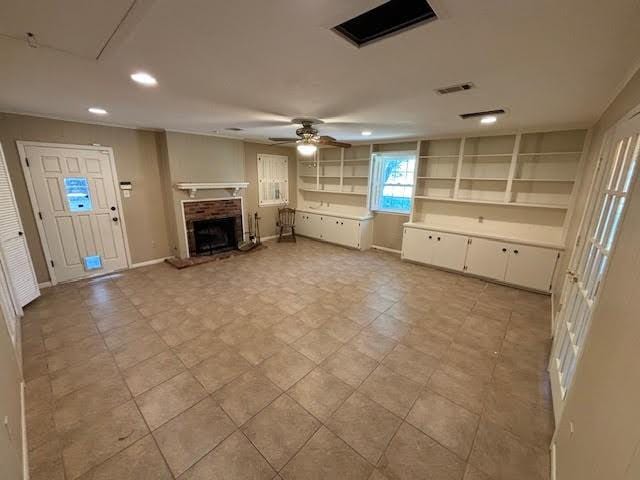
(255, 64)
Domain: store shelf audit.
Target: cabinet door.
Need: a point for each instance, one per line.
(531, 267)
(313, 225)
(487, 258)
(349, 232)
(302, 225)
(417, 245)
(449, 250)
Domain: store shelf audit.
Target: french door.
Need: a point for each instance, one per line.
(76, 203)
(613, 181)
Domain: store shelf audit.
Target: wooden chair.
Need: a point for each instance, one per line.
(287, 221)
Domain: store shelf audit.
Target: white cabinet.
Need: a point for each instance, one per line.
(416, 245)
(444, 250)
(350, 232)
(531, 267)
(487, 258)
(523, 265)
(449, 250)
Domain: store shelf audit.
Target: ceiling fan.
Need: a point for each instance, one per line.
(308, 139)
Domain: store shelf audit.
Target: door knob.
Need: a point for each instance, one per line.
(20, 233)
(113, 209)
(115, 219)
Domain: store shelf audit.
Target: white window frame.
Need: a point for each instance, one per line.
(376, 187)
(273, 169)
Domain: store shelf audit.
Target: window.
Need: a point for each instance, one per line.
(273, 180)
(392, 183)
(77, 190)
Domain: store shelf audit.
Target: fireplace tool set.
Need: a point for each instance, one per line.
(254, 234)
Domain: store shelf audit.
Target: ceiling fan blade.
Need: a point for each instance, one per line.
(333, 143)
(283, 140)
(326, 138)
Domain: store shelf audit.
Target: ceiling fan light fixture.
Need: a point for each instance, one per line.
(306, 148)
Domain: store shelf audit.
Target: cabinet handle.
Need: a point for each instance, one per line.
(438, 238)
(515, 251)
(336, 222)
(504, 249)
(430, 237)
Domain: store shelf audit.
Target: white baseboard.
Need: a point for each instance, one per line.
(44, 285)
(386, 249)
(553, 461)
(271, 237)
(149, 262)
(25, 448)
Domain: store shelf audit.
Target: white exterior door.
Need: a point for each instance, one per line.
(15, 259)
(76, 200)
(603, 216)
(487, 258)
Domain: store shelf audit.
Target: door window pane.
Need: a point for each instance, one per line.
(77, 192)
(93, 262)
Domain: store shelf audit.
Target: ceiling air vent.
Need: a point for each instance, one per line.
(461, 87)
(499, 111)
(387, 19)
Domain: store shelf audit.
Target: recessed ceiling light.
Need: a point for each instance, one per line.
(366, 133)
(143, 78)
(98, 111)
(488, 119)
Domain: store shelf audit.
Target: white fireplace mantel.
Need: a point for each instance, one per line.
(194, 187)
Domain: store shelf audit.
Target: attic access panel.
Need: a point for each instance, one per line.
(384, 20)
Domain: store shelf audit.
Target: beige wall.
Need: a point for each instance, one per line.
(268, 215)
(136, 159)
(196, 158)
(603, 402)
(387, 230)
(10, 407)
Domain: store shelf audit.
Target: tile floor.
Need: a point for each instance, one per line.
(301, 361)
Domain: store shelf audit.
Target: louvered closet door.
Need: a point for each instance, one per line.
(603, 217)
(14, 253)
(77, 198)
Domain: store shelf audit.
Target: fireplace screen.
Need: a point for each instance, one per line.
(213, 236)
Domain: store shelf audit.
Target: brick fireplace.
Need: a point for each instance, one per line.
(213, 225)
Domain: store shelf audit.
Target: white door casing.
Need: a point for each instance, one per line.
(615, 174)
(15, 259)
(76, 203)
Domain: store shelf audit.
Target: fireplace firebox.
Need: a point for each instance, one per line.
(214, 235)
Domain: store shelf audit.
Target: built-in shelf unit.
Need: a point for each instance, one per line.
(335, 179)
(518, 187)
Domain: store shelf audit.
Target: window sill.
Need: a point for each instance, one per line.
(393, 212)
